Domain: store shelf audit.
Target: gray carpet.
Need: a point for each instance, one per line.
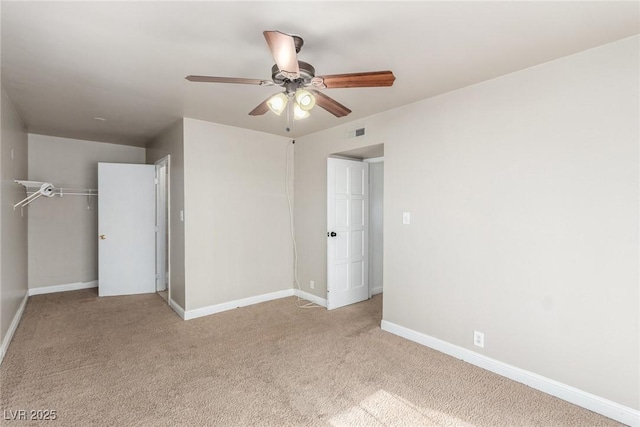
(130, 361)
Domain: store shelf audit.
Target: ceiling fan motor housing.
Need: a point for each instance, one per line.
(297, 41)
(307, 72)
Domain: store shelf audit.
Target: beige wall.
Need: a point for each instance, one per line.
(171, 142)
(238, 241)
(524, 195)
(13, 224)
(63, 231)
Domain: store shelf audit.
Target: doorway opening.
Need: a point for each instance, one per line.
(355, 234)
(163, 226)
(376, 227)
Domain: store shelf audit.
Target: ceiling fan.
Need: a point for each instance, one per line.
(300, 82)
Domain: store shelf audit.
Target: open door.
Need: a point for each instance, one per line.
(126, 229)
(347, 232)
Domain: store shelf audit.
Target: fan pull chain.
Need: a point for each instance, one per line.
(289, 113)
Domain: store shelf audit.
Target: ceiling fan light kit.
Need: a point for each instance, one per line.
(294, 76)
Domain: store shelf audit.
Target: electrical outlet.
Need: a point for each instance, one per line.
(312, 284)
(478, 339)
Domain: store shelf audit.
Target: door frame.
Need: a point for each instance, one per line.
(373, 160)
(164, 162)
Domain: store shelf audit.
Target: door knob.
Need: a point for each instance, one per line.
(102, 237)
(332, 234)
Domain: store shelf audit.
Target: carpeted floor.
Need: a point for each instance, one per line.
(130, 361)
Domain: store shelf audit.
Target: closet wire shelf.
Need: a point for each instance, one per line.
(37, 189)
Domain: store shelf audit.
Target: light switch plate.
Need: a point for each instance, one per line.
(406, 217)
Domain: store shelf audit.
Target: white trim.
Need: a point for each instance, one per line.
(12, 328)
(375, 160)
(179, 310)
(310, 297)
(212, 309)
(376, 291)
(578, 397)
(62, 288)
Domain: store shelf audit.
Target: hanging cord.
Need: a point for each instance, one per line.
(300, 303)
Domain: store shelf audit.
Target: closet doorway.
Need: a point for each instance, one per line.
(355, 194)
(134, 229)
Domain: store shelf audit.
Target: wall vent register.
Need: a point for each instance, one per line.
(355, 133)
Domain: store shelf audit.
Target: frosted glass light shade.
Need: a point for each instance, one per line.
(277, 103)
(299, 113)
(305, 99)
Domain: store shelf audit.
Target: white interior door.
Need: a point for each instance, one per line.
(347, 232)
(126, 228)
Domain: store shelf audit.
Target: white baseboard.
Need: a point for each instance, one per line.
(179, 310)
(578, 397)
(376, 291)
(62, 288)
(212, 309)
(310, 297)
(12, 328)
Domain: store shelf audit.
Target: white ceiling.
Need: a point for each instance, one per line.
(64, 63)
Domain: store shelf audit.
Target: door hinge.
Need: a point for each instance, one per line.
(157, 229)
(156, 181)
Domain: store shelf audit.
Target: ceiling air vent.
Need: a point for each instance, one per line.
(355, 133)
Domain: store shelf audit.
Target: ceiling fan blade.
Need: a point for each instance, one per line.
(330, 104)
(239, 80)
(260, 109)
(369, 79)
(283, 49)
